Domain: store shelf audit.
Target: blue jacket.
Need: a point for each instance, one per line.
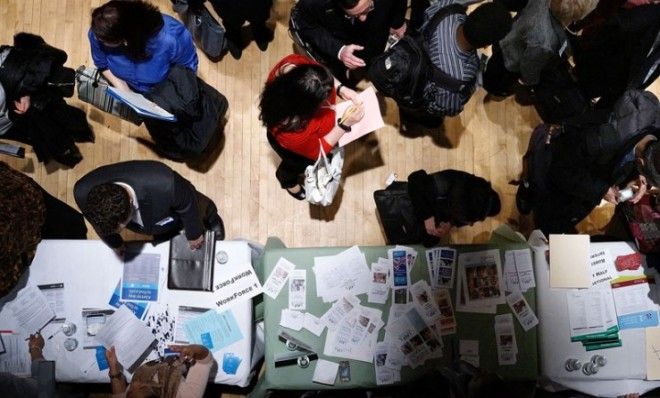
(173, 45)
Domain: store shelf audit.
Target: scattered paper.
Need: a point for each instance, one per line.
(130, 337)
(403, 258)
(355, 335)
(298, 290)
(371, 121)
(325, 372)
(339, 310)
(569, 261)
(278, 277)
(292, 319)
(314, 324)
(342, 274)
(31, 309)
(522, 310)
(384, 375)
(518, 270)
(590, 311)
(138, 308)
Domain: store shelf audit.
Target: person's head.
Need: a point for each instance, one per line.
(127, 24)
(513, 5)
(487, 24)
(108, 208)
(472, 200)
(356, 9)
(567, 12)
(649, 163)
(291, 99)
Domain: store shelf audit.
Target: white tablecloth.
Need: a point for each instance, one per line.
(626, 366)
(90, 272)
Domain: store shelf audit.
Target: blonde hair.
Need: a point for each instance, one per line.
(567, 11)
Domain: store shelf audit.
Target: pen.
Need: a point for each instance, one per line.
(53, 335)
(348, 113)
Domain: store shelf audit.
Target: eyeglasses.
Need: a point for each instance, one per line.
(363, 13)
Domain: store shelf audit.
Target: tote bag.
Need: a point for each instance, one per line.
(93, 89)
(323, 177)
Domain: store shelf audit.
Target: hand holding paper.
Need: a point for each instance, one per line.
(371, 121)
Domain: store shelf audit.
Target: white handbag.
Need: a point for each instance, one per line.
(323, 177)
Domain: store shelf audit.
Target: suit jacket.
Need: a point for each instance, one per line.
(325, 27)
(166, 200)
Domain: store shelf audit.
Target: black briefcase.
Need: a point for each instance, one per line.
(191, 269)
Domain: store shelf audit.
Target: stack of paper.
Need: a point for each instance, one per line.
(634, 300)
(381, 281)
(441, 262)
(592, 318)
(518, 270)
(505, 337)
(442, 299)
(384, 375)
(403, 259)
(346, 273)
(481, 284)
(354, 335)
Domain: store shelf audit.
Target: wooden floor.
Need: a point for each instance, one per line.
(487, 139)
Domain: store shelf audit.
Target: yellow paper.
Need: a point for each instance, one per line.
(653, 353)
(569, 261)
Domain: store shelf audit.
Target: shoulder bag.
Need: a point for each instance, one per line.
(322, 179)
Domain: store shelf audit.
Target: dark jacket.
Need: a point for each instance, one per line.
(324, 25)
(161, 192)
(199, 108)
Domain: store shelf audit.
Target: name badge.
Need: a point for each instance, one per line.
(165, 221)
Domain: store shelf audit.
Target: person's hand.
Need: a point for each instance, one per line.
(399, 32)
(192, 351)
(351, 61)
(22, 105)
(349, 94)
(612, 195)
(36, 340)
(197, 243)
(641, 185)
(111, 357)
(440, 230)
(350, 117)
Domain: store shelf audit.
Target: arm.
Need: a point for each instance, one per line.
(42, 371)
(117, 380)
(183, 51)
(398, 16)
(311, 29)
(115, 81)
(185, 205)
(337, 132)
(198, 374)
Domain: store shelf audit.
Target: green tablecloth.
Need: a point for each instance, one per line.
(470, 325)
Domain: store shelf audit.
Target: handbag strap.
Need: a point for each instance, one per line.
(323, 155)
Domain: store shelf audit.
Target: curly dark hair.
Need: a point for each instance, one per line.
(129, 22)
(107, 206)
(290, 100)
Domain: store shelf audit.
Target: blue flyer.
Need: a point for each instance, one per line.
(101, 361)
(214, 330)
(399, 268)
(137, 308)
(141, 278)
(230, 363)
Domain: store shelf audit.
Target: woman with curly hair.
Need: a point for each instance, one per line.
(134, 45)
(297, 108)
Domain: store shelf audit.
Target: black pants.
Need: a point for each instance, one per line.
(234, 13)
(293, 166)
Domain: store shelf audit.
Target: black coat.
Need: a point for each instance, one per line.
(325, 27)
(166, 200)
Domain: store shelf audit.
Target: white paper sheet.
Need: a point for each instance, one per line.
(54, 293)
(130, 337)
(235, 284)
(292, 319)
(17, 358)
(380, 284)
(314, 324)
(298, 290)
(278, 277)
(344, 273)
(325, 372)
(602, 267)
(31, 309)
(522, 310)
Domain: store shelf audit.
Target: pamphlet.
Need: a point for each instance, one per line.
(141, 105)
(141, 278)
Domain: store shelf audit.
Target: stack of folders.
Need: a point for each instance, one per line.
(593, 319)
(191, 269)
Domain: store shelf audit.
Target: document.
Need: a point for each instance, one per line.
(185, 314)
(371, 121)
(569, 261)
(235, 284)
(138, 308)
(522, 310)
(293, 320)
(632, 299)
(355, 336)
(481, 273)
(54, 293)
(518, 270)
(380, 283)
(278, 277)
(447, 318)
(214, 330)
(141, 105)
(403, 259)
(17, 358)
(441, 262)
(652, 353)
(325, 372)
(505, 337)
(384, 375)
(131, 338)
(461, 301)
(141, 278)
(298, 290)
(31, 309)
(345, 273)
(425, 304)
(602, 267)
(585, 312)
(468, 351)
(339, 310)
(314, 324)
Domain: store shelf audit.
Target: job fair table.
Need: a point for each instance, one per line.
(77, 274)
(625, 370)
(477, 328)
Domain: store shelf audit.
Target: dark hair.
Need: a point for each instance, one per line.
(346, 4)
(291, 99)
(486, 25)
(513, 5)
(473, 201)
(132, 22)
(651, 167)
(107, 206)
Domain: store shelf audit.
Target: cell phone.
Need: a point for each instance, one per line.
(12, 150)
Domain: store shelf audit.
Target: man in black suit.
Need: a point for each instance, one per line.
(146, 197)
(347, 34)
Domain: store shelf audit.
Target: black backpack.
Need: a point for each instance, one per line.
(404, 71)
(396, 213)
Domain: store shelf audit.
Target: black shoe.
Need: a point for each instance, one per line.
(70, 157)
(300, 195)
(234, 49)
(216, 225)
(262, 36)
